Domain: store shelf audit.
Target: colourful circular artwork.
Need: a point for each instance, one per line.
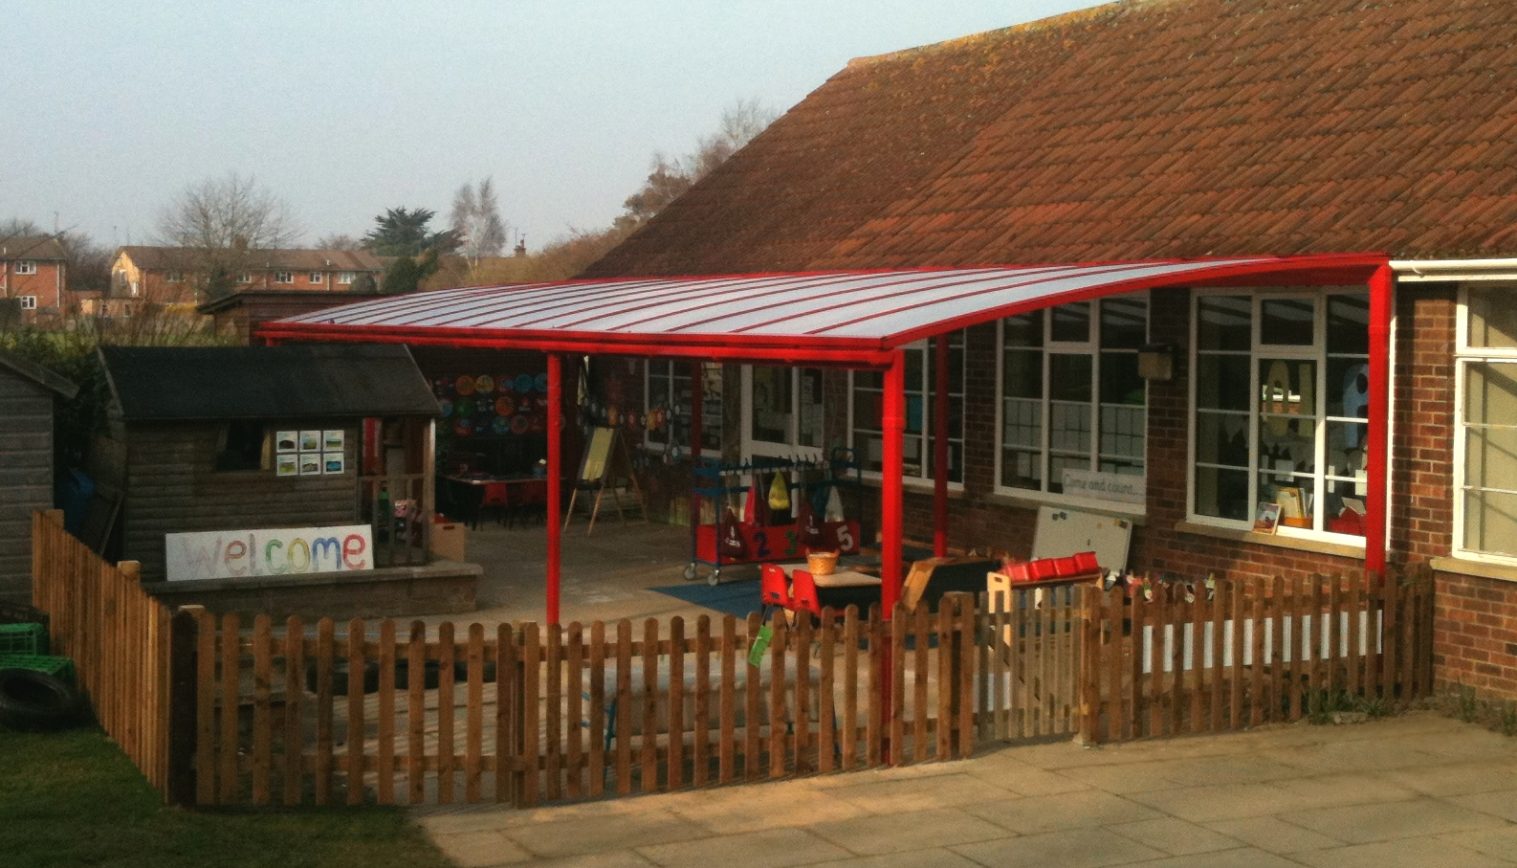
(484, 384)
(503, 383)
(465, 385)
(519, 424)
(501, 425)
(446, 407)
(462, 428)
(524, 383)
(504, 406)
(464, 407)
(538, 424)
(542, 383)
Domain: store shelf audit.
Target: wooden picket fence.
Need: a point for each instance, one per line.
(219, 711)
(117, 637)
(528, 714)
(1255, 652)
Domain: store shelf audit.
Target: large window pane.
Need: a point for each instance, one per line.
(1490, 457)
(1222, 493)
(1348, 387)
(1492, 316)
(809, 431)
(1025, 330)
(1490, 392)
(1071, 322)
(771, 404)
(1222, 439)
(1022, 374)
(1490, 522)
(1124, 323)
(1287, 321)
(1222, 382)
(1120, 383)
(1069, 377)
(1348, 318)
(1224, 323)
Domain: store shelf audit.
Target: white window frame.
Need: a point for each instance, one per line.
(173, 277)
(346, 278)
(927, 388)
(28, 302)
(673, 373)
(1091, 346)
(26, 266)
(284, 277)
(244, 277)
(1317, 353)
(790, 449)
(1464, 356)
(316, 277)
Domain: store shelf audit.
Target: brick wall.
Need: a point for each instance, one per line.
(1475, 618)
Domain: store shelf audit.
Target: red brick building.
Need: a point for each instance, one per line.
(1173, 128)
(34, 274)
(169, 275)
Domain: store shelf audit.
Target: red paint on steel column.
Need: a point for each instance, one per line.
(697, 405)
(892, 427)
(555, 475)
(1376, 520)
(940, 449)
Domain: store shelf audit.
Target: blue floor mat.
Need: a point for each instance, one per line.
(729, 598)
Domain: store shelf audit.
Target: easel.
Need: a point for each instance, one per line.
(597, 473)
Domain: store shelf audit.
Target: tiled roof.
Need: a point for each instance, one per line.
(1134, 130)
(294, 260)
(39, 247)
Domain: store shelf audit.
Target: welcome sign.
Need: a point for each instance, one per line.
(232, 554)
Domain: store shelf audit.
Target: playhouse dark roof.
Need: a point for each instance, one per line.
(1134, 130)
(313, 381)
(45, 377)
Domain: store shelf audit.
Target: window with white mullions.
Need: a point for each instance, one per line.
(1070, 394)
(917, 454)
(1485, 472)
(1280, 408)
(668, 401)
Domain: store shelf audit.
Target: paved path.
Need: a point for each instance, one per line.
(1419, 790)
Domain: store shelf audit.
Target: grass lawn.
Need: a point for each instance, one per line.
(73, 798)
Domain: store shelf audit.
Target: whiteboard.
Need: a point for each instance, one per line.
(1063, 532)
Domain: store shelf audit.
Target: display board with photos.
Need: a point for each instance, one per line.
(310, 452)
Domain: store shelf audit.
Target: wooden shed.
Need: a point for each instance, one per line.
(216, 439)
(27, 394)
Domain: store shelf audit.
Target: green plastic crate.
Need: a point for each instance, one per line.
(60, 667)
(23, 639)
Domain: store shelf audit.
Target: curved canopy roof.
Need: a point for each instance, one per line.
(842, 316)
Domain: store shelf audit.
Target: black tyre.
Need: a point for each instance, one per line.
(36, 700)
(461, 671)
(429, 672)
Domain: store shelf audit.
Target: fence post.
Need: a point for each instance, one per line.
(184, 635)
(1090, 658)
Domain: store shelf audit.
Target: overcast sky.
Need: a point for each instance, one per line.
(344, 109)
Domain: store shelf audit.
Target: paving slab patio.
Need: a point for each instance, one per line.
(1439, 795)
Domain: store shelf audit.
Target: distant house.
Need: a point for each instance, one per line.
(27, 393)
(171, 275)
(237, 314)
(32, 271)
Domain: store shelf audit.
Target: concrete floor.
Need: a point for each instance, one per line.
(1419, 789)
(606, 573)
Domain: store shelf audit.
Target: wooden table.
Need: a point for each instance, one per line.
(841, 588)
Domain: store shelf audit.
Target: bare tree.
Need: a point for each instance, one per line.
(670, 177)
(338, 241)
(476, 221)
(217, 221)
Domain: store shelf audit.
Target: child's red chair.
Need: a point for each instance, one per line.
(804, 594)
(774, 589)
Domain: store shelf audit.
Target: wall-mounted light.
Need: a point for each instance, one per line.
(1157, 362)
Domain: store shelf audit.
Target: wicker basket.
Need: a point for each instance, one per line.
(821, 563)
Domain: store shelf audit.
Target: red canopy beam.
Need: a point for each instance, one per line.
(1381, 287)
(555, 475)
(940, 448)
(892, 428)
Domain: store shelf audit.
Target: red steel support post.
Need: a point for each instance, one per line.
(892, 427)
(697, 406)
(1382, 288)
(940, 448)
(555, 477)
